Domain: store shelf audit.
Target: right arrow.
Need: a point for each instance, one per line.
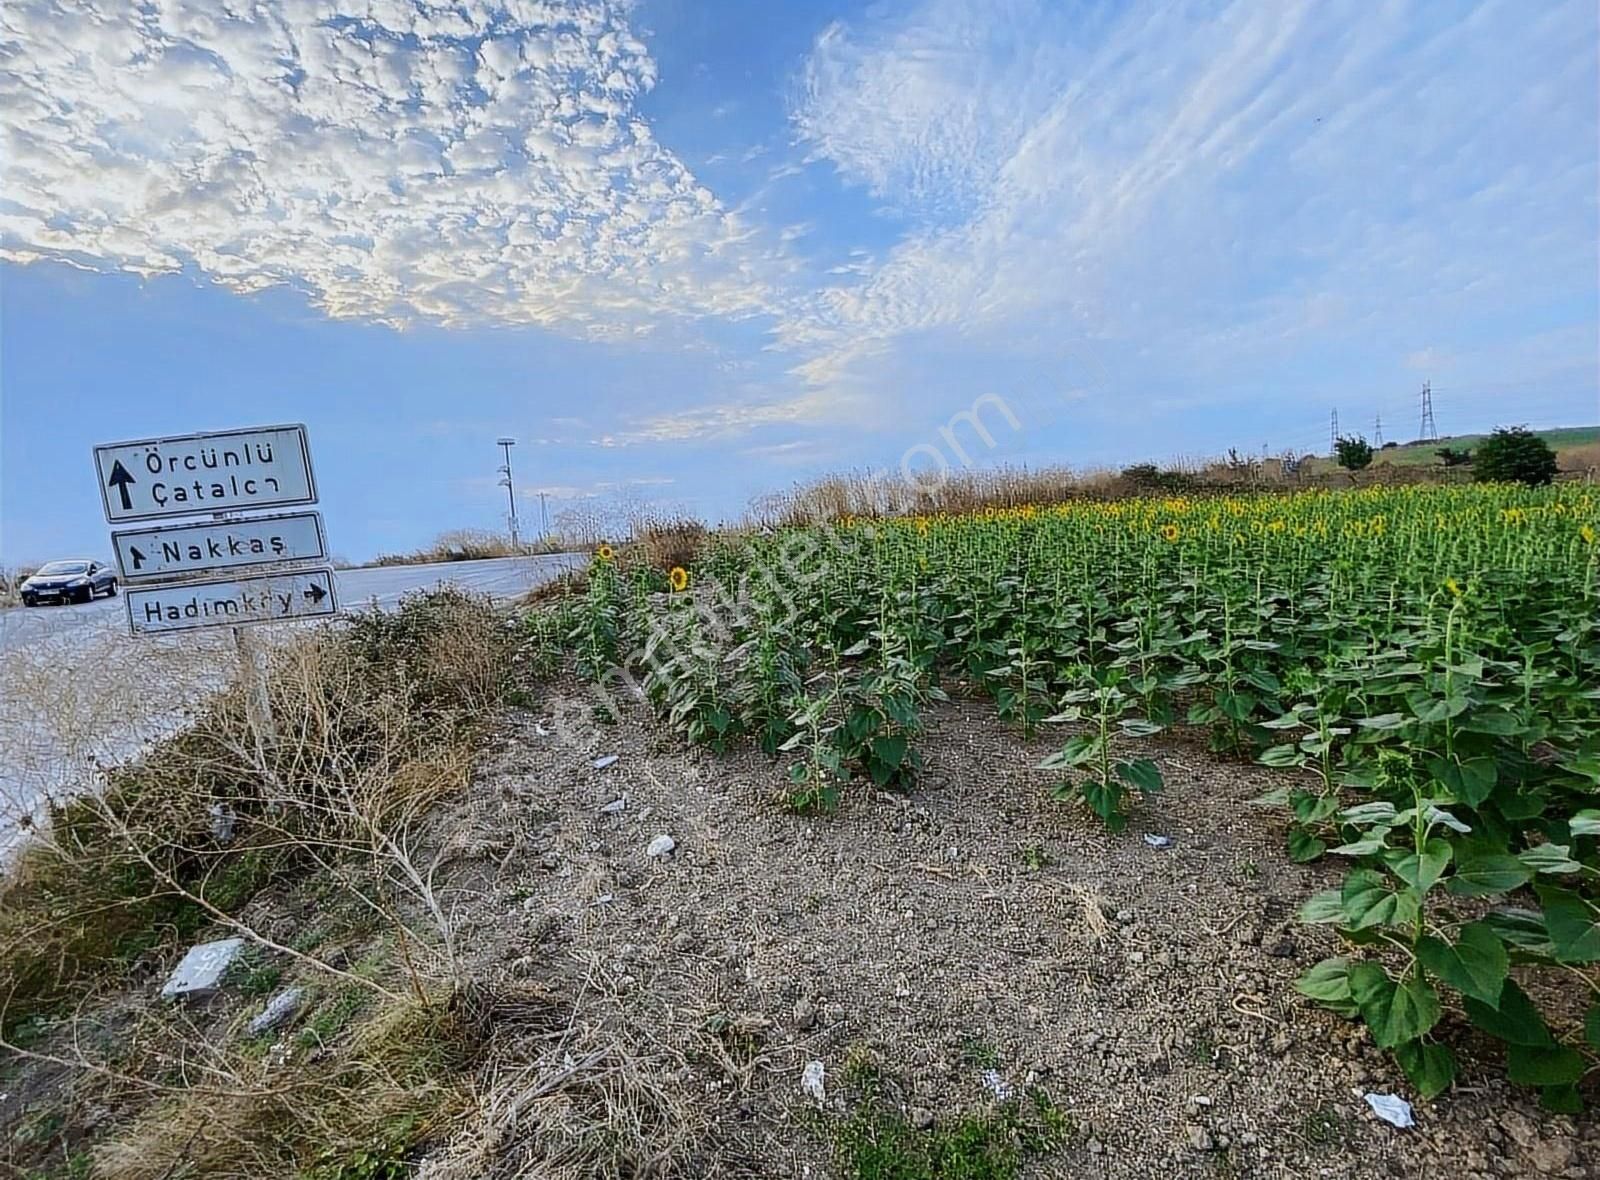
(316, 593)
(133, 551)
(120, 479)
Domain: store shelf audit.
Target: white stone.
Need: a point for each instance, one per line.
(813, 1082)
(662, 845)
(602, 763)
(202, 968)
(614, 806)
(282, 1007)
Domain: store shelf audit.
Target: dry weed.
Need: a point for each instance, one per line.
(1091, 904)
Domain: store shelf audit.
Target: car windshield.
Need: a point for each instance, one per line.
(66, 567)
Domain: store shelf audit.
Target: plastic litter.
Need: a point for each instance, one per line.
(1157, 841)
(223, 821)
(997, 1085)
(615, 806)
(1391, 1108)
(602, 763)
(813, 1082)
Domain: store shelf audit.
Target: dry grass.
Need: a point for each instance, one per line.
(878, 494)
(1582, 460)
(472, 545)
(402, 1070)
(10, 586)
(675, 541)
(1091, 906)
(374, 723)
(601, 1100)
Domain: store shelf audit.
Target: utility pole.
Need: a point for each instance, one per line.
(1333, 434)
(1377, 431)
(510, 486)
(1430, 429)
(544, 519)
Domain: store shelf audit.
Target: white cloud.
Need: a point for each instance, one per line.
(451, 162)
(726, 419)
(1214, 183)
(924, 109)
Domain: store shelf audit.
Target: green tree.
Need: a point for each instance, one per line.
(1453, 457)
(1353, 453)
(1514, 454)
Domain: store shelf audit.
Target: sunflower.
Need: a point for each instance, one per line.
(1169, 532)
(678, 578)
(1587, 533)
(1453, 586)
(604, 553)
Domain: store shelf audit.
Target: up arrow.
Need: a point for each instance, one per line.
(316, 593)
(120, 479)
(133, 552)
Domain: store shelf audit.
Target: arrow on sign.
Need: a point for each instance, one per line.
(120, 479)
(138, 557)
(316, 593)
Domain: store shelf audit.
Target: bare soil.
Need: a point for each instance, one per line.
(971, 937)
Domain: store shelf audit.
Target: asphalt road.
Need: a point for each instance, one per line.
(77, 691)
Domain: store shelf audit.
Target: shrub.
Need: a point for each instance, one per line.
(1147, 477)
(664, 544)
(1514, 455)
(1353, 454)
(1454, 458)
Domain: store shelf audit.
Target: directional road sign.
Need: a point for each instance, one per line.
(231, 602)
(163, 551)
(229, 471)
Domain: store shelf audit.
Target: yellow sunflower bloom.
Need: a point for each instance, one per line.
(1587, 533)
(1453, 586)
(1169, 532)
(678, 578)
(604, 553)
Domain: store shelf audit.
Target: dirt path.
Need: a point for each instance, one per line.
(973, 935)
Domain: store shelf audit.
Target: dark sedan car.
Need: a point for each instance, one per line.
(69, 581)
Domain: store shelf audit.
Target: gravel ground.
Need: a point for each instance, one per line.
(974, 934)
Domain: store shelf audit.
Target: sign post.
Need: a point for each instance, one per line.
(232, 570)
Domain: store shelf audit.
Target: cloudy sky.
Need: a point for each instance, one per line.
(689, 251)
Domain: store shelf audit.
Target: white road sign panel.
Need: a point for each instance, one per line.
(229, 471)
(231, 602)
(178, 550)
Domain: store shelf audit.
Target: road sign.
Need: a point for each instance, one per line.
(231, 602)
(228, 471)
(177, 550)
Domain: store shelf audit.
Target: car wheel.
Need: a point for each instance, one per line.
(29, 601)
(111, 590)
(84, 595)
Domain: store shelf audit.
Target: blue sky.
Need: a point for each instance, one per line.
(689, 252)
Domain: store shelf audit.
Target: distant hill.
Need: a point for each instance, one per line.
(1424, 454)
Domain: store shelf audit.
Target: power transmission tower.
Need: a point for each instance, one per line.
(1430, 428)
(1333, 433)
(507, 482)
(1377, 431)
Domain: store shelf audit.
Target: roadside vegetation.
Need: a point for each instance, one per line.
(310, 842)
(471, 545)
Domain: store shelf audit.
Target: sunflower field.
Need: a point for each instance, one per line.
(1421, 664)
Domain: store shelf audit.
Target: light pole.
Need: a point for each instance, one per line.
(506, 482)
